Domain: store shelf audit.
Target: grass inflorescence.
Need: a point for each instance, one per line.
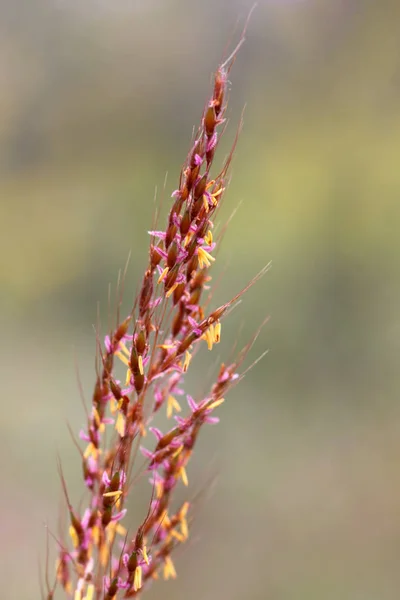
(155, 344)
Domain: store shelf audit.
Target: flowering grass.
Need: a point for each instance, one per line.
(155, 345)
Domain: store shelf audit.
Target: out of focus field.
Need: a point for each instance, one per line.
(98, 101)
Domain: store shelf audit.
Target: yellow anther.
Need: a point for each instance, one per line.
(209, 337)
(216, 403)
(96, 417)
(124, 349)
(91, 450)
(120, 424)
(145, 555)
(187, 239)
(184, 477)
(205, 258)
(115, 494)
(137, 581)
(215, 195)
(184, 529)
(186, 362)
(217, 332)
(172, 404)
(178, 536)
(169, 569)
(177, 451)
(89, 592)
(208, 238)
(140, 361)
(163, 275)
(74, 536)
(67, 585)
(171, 290)
(122, 358)
(184, 510)
(159, 489)
(164, 519)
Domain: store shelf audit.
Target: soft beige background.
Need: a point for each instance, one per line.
(98, 100)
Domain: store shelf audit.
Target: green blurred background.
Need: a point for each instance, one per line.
(98, 101)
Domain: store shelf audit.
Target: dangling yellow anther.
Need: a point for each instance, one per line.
(205, 258)
(128, 376)
(145, 555)
(208, 238)
(120, 424)
(183, 521)
(217, 332)
(163, 275)
(91, 450)
(164, 519)
(137, 582)
(183, 476)
(188, 238)
(74, 536)
(215, 195)
(124, 349)
(169, 569)
(172, 404)
(186, 362)
(96, 417)
(209, 336)
(122, 358)
(178, 536)
(89, 592)
(171, 290)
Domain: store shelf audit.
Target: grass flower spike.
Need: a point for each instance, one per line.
(141, 368)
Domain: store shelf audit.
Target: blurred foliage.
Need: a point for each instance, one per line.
(98, 102)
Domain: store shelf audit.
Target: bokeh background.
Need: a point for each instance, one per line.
(98, 101)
